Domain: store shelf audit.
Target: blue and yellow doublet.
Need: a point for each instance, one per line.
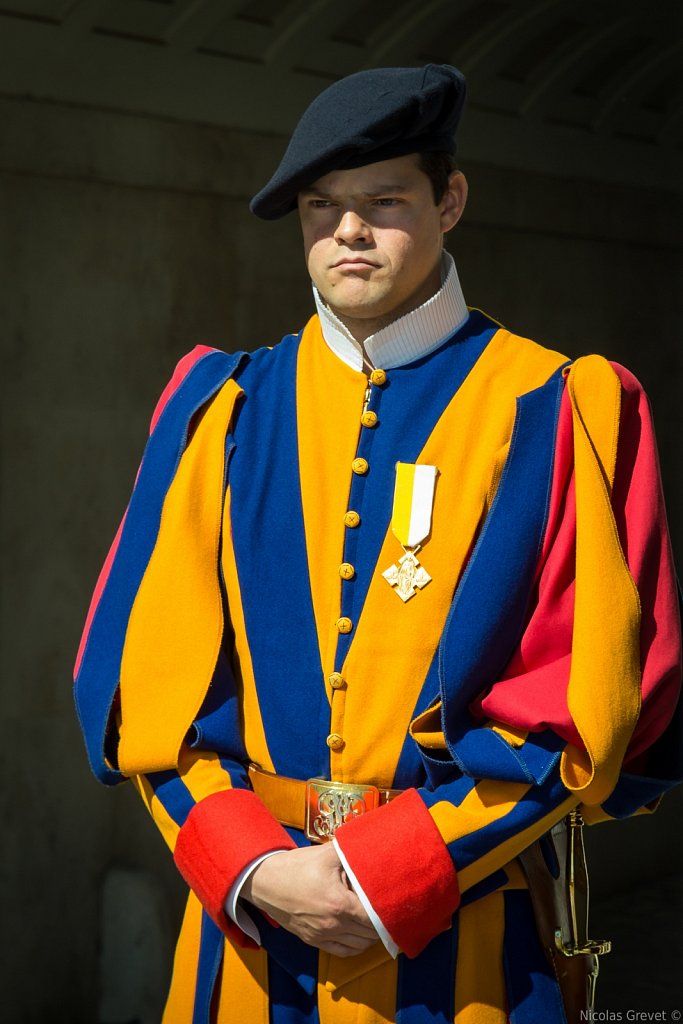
(243, 618)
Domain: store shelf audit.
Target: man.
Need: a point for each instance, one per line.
(391, 599)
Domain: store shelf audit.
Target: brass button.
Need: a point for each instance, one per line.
(335, 741)
(351, 519)
(369, 419)
(360, 466)
(378, 377)
(344, 624)
(347, 571)
(337, 681)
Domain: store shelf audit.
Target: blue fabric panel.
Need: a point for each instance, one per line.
(535, 804)
(289, 1003)
(633, 792)
(488, 611)
(297, 836)
(98, 677)
(217, 727)
(484, 888)
(176, 798)
(439, 768)
(271, 557)
(173, 794)
(533, 993)
(295, 958)
(425, 993)
(408, 405)
(482, 753)
(454, 790)
(210, 959)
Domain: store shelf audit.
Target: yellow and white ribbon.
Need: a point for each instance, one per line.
(411, 520)
(411, 523)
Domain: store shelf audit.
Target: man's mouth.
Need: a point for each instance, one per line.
(348, 262)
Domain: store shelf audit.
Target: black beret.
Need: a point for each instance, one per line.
(370, 116)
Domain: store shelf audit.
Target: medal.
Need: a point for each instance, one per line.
(411, 522)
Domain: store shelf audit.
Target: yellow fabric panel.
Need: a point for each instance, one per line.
(604, 683)
(180, 1003)
(367, 999)
(329, 402)
(254, 734)
(498, 467)
(243, 995)
(426, 729)
(508, 367)
(336, 971)
(176, 623)
(515, 737)
(202, 773)
(480, 996)
(501, 855)
(489, 801)
(164, 822)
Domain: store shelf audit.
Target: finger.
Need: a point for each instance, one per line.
(360, 926)
(342, 950)
(354, 913)
(357, 928)
(357, 942)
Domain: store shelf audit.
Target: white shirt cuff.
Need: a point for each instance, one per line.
(384, 935)
(236, 912)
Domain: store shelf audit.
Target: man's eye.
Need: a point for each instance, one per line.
(386, 202)
(320, 204)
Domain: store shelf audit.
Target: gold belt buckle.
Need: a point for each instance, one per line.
(331, 804)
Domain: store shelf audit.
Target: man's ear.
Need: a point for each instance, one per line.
(453, 202)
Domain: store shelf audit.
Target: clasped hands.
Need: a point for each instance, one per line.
(307, 892)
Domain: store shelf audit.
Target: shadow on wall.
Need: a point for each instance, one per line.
(136, 948)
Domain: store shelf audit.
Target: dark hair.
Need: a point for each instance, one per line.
(438, 167)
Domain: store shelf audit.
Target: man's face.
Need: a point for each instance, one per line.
(373, 237)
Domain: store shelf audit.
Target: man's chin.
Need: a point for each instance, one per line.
(359, 308)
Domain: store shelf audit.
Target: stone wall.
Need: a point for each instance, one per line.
(126, 240)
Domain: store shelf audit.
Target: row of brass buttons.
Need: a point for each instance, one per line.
(347, 571)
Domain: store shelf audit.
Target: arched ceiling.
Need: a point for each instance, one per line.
(588, 87)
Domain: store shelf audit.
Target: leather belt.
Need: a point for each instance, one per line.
(316, 806)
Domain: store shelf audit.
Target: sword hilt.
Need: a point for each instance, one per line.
(577, 890)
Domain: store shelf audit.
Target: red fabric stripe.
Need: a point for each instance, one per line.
(400, 860)
(641, 520)
(533, 692)
(222, 834)
(179, 374)
(181, 371)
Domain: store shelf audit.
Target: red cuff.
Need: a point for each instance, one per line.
(403, 866)
(222, 834)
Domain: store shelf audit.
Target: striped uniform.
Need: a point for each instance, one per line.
(538, 671)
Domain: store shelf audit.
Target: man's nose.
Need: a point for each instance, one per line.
(352, 228)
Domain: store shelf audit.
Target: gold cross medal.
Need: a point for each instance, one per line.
(411, 523)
